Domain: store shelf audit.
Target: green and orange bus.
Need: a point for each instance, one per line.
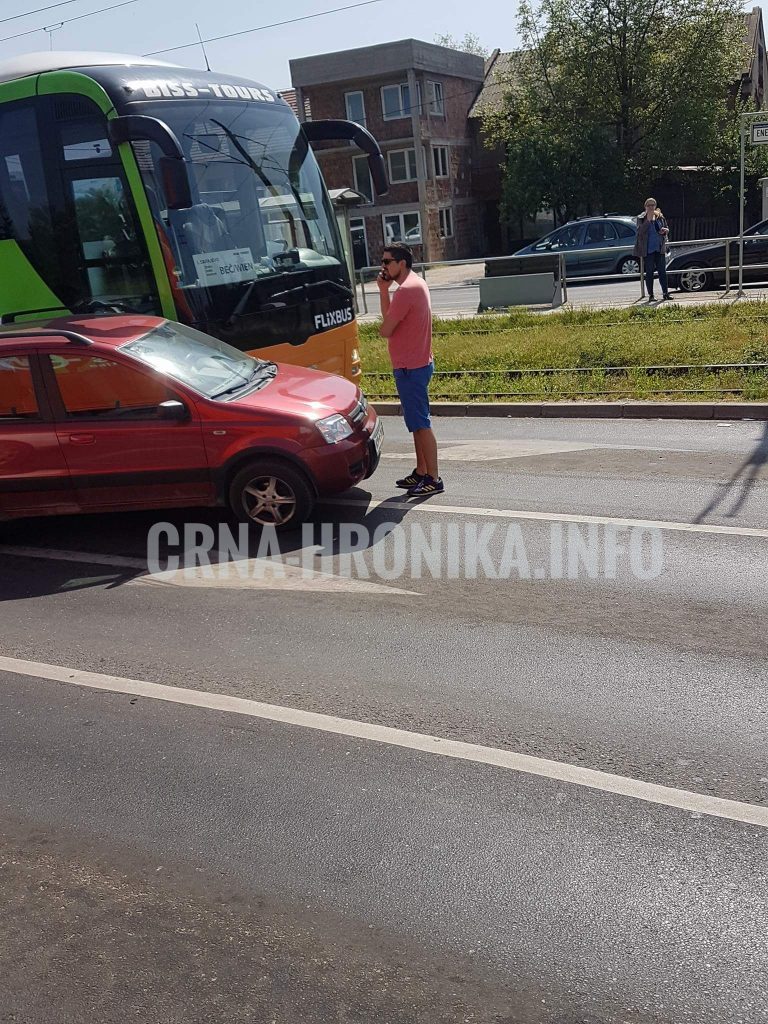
(132, 186)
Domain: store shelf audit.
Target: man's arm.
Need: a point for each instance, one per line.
(393, 309)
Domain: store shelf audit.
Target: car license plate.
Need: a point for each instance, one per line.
(377, 436)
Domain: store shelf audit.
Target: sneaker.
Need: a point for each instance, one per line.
(668, 298)
(426, 487)
(411, 480)
(651, 299)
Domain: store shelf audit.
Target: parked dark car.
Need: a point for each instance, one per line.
(694, 264)
(581, 241)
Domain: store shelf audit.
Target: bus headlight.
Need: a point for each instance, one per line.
(334, 428)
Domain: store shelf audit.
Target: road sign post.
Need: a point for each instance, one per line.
(757, 123)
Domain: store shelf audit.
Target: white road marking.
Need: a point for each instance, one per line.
(488, 451)
(547, 517)
(620, 785)
(246, 574)
(260, 574)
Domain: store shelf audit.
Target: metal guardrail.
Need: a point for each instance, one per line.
(672, 368)
(690, 244)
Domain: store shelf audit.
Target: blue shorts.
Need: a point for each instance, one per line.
(413, 388)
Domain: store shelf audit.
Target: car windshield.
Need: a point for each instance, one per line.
(210, 367)
(260, 206)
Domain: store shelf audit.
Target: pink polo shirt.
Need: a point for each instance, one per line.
(410, 344)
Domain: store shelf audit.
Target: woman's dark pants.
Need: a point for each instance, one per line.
(656, 261)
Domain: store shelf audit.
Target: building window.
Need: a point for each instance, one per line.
(359, 242)
(440, 161)
(355, 105)
(402, 227)
(445, 215)
(362, 175)
(396, 101)
(436, 99)
(402, 165)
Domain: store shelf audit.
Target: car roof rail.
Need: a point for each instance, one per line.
(71, 336)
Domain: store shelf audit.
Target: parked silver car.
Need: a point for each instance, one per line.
(581, 241)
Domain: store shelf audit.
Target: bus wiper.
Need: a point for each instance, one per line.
(336, 286)
(304, 289)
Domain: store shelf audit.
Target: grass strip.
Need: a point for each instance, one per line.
(598, 340)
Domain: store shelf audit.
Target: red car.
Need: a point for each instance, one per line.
(103, 414)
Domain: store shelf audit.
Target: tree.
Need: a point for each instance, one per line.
(469, 44)
(606, 95)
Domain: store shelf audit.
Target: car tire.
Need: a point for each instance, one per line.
(629, 265)
(270, 492)
(693, 277)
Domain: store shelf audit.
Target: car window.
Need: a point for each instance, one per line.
(623, 230)
(566, 238)
(95, 386)
(759, 229)
(17, 392)
(600, 231)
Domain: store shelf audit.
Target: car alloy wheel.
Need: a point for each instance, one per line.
(269, 501)
(694, 279)
(271, 492)
(629, 265)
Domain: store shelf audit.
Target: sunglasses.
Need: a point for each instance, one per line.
(385, 263)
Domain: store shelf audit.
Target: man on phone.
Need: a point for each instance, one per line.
(407, 326)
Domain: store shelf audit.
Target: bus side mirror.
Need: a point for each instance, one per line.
(333, 130)
(173, 170)
(175, 179)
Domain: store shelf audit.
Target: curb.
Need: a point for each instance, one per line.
(590, 410)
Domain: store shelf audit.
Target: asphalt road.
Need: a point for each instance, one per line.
(586, 843)
(455, 292)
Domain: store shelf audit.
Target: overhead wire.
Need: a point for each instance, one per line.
(66, 21)
(38, 10)
(261, 28)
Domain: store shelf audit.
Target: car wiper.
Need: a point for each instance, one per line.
(263, 368)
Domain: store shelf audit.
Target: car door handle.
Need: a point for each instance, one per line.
(82, 438)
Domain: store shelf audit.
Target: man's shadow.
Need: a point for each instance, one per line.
(741, 483)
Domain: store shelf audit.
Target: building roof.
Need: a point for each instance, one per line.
(499, 68)
(385, 59)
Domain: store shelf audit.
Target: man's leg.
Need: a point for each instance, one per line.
(421, 463)
(426, 451)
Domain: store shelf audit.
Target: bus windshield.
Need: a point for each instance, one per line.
(260, 206)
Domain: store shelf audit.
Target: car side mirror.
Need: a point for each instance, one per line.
(173, 411)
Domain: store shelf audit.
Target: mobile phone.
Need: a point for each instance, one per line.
(384, 276)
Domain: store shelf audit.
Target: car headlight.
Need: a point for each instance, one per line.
(334, 428)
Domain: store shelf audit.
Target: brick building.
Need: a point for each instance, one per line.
(414, 98)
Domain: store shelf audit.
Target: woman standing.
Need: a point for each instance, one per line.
(651, 245)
